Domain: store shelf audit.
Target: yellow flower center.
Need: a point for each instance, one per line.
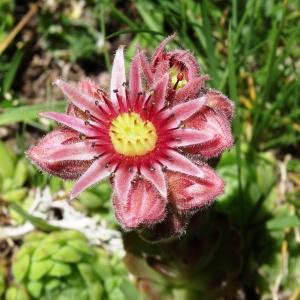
(132, 136)
(178, 79)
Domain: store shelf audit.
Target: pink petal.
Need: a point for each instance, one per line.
(78, 98)
(160, 91)
(70, 121)
(156, 176)
(88, 86)
(187, 137)
(178, 163)
(160, 70)
(145, 67)
(135, 81)
(214, 124)
(95, 173)
(192, 192)
(182, 111)
(75, 151)
(39, 155)
(190, 91)
(219, 102)
(144, 206)
(123, 180)
(188, 60)
(159, 51)
(118, 75)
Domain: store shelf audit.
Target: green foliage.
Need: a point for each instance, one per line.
(196, 264)
(14, 175)
(251, 51)
(62, 265)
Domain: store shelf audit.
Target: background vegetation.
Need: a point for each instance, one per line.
(251, 51)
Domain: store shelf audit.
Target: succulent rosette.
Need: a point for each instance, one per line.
(152, 149)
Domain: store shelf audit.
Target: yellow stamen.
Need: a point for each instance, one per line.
(132, 136)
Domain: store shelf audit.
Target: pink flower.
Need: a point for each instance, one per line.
(149, 149)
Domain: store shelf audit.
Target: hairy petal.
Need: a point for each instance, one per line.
(190, 91)
(145, 67)
(118, 75)
(70, 121)
(217, 126)
(135, 81)
(74, 151)
(183, 111)
(186, 137)
(77, 97)
(160, 91)
(156, 176)
(123, 180)
(39, 155)
(95, 173)
(219, 102)
(191, 192)
(144, 206)
(89, 87)
(159, 51)
(178, 163)
(160, 70)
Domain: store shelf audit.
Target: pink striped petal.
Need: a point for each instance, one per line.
(70, 121)
(159, 51)
(187, 137)
(178, 163)
(76, 151)
(190, 91)
(118, 75)
(214, 124)
(156, 176)
(192, 192)
(160, 91)
(39, 155)
(182, 111)
(78, 98)
(123, 180)
(135, 80)
(95, 173)
(144, 206)
(219, 102)
(88, 86)
(145, 67)
(160, 70)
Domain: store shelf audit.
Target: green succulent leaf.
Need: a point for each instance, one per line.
(7, 161)
(21, 173)
(16, 293)
(67, 254)
(15, 195)
(94, 285)
(21, 267)
(38, 269)
(81, 246)
(44, 251)
(283, 222)
(52, 284)
(60, 269)
(35, 288)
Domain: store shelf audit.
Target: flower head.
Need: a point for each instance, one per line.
(148, 147)
(185, 79)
